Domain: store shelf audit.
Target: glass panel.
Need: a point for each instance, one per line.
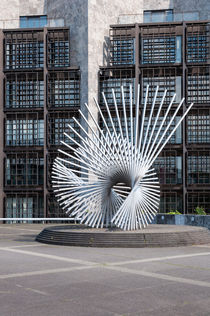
(43, 21)
(159, 50)
(201, 199)
(106, 86)
(169, 16)
(198, 85)
(178, 17)
(178, 49)
(23, 132)
(176, 138)
(198, 170)
(170, 201)
(172, 84)
(198, 128)
(23, 21)
(178, 89)
(33, 21)
(56, 23)
(190, 16)
(169, 169)
(147, 16)
(158, 16)
(24, 206)
(122, 51)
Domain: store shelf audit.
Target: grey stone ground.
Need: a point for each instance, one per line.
(38, 279)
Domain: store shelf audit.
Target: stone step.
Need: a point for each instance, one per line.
(153, 236)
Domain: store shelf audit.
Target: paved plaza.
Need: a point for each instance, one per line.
(38, 279)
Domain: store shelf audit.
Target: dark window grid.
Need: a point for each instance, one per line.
(122, 51)
(197, 49)
(168, 170)
(198, 130)
(198, 88)
(107, 85)
(63, 93)
(176, 138)
(200, 199)
(56, 128)
(58, 49)
(24, 132)
(24, 93)
(170, 201)
(24, 170)
(158, 50)
(24, 55)
(197, 43)
(53, 207)
(198, 169)
(116, 124)
(168, 82)
(24, 205)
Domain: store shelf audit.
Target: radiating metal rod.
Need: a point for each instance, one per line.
(109, 179)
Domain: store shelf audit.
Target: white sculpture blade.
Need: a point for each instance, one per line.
(109, 180)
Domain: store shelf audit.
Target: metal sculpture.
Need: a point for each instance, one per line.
(111, 181)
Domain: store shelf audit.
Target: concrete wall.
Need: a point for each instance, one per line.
(191, 220)
(101, 14)
(201, 6)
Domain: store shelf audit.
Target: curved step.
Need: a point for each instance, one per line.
(152, 236)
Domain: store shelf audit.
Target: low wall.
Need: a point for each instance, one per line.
(192, 220)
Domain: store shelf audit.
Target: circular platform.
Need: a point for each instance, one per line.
(152, 236)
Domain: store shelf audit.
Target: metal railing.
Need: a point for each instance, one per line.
(15, 23)
(38, 219)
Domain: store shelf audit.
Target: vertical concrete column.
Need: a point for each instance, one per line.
(45, 123)
(2, 122)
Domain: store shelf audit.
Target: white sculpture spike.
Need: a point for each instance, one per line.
(116, 184)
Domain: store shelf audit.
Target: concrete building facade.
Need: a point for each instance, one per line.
(89, 23)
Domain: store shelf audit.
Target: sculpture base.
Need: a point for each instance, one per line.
(151, 236)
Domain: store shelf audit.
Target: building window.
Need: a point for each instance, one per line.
(198, 169)
(63, 89)
(159, 50)
(165, 78)
(198, 85)
(24, 50)
(122, 51)
(53, 207)
(24, 169)
(198, 127)
(58, 124)
(22, 131)
(122, 46)
(24, 90)
(201, 199)
(197, 49)
(24, 205)
(176, 138)
(33, 21)
(170, 201)
(58, 49)
(169, 168)
(114, 80)
(116, 124)
(158, 16)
